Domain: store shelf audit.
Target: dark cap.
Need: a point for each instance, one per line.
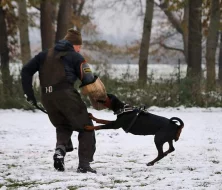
(74, 37)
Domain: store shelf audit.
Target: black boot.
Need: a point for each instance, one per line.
(59, 160)
(85, 169)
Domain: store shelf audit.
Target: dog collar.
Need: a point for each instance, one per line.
(126, 108)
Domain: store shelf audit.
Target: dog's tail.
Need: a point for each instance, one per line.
(175, 119)
(180, 126)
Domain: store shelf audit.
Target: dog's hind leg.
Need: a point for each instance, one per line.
(171, 148)
(159, 146)
(159, 157)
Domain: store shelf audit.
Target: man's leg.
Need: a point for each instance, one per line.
(69, 146)
(62, 134)
(63, 137)
(75, 111)
(87, 148)
(63, 144)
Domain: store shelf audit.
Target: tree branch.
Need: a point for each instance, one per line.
(35, 5)
(113, 3)
(162, 38)
(174, 21)
(171, 48)
(141, 7)
(79, 12)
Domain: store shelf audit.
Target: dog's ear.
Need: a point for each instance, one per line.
(111, 96)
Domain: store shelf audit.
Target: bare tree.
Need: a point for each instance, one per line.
(212, 41)
(78, 18)
(23, 31)
(181, 26)
(194, 39)
(220, 61)
(4, 52)
(64, 18)
(46, 24)
(145, 43)
(194, 48)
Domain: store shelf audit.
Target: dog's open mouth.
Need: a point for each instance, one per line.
(178, 134)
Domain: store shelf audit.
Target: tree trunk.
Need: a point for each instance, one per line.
(145, 43)
(4, 54)
(185, 31)
(64, 19)
(46, 24)
(194, 39)
(194, 50)
(220, 61)
(54, 18)
(212, 40)
(23, 32)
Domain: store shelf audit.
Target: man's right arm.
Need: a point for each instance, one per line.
(27, 73)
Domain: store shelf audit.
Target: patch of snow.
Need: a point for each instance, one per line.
(27, 141)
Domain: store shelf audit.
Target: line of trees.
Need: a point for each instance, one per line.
(199, 22)
(55, 18)
(191, 29)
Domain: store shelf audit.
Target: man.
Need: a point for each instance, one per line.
(59, 68)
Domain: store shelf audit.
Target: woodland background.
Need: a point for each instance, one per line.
(176, 32)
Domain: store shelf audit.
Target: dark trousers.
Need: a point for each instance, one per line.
(68, 113)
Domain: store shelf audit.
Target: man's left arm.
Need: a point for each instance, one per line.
(85, 73)
(91, 85)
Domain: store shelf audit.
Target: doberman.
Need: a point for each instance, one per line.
(140, 122)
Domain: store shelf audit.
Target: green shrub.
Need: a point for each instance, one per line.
(162, 93)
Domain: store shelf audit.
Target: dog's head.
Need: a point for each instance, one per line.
(112, 102)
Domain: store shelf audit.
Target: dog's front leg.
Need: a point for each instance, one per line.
(91, 128)
(99, 120)
(92, 117)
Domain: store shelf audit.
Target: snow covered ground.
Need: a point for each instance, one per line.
(27, 144)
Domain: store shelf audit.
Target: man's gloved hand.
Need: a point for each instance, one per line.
(31, 100)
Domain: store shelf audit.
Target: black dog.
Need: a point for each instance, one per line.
(139, 122)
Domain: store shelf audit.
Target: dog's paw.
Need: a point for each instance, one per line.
(150, 164)
(90, 115)
(89, 128)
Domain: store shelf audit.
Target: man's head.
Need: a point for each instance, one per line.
(74, 37)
